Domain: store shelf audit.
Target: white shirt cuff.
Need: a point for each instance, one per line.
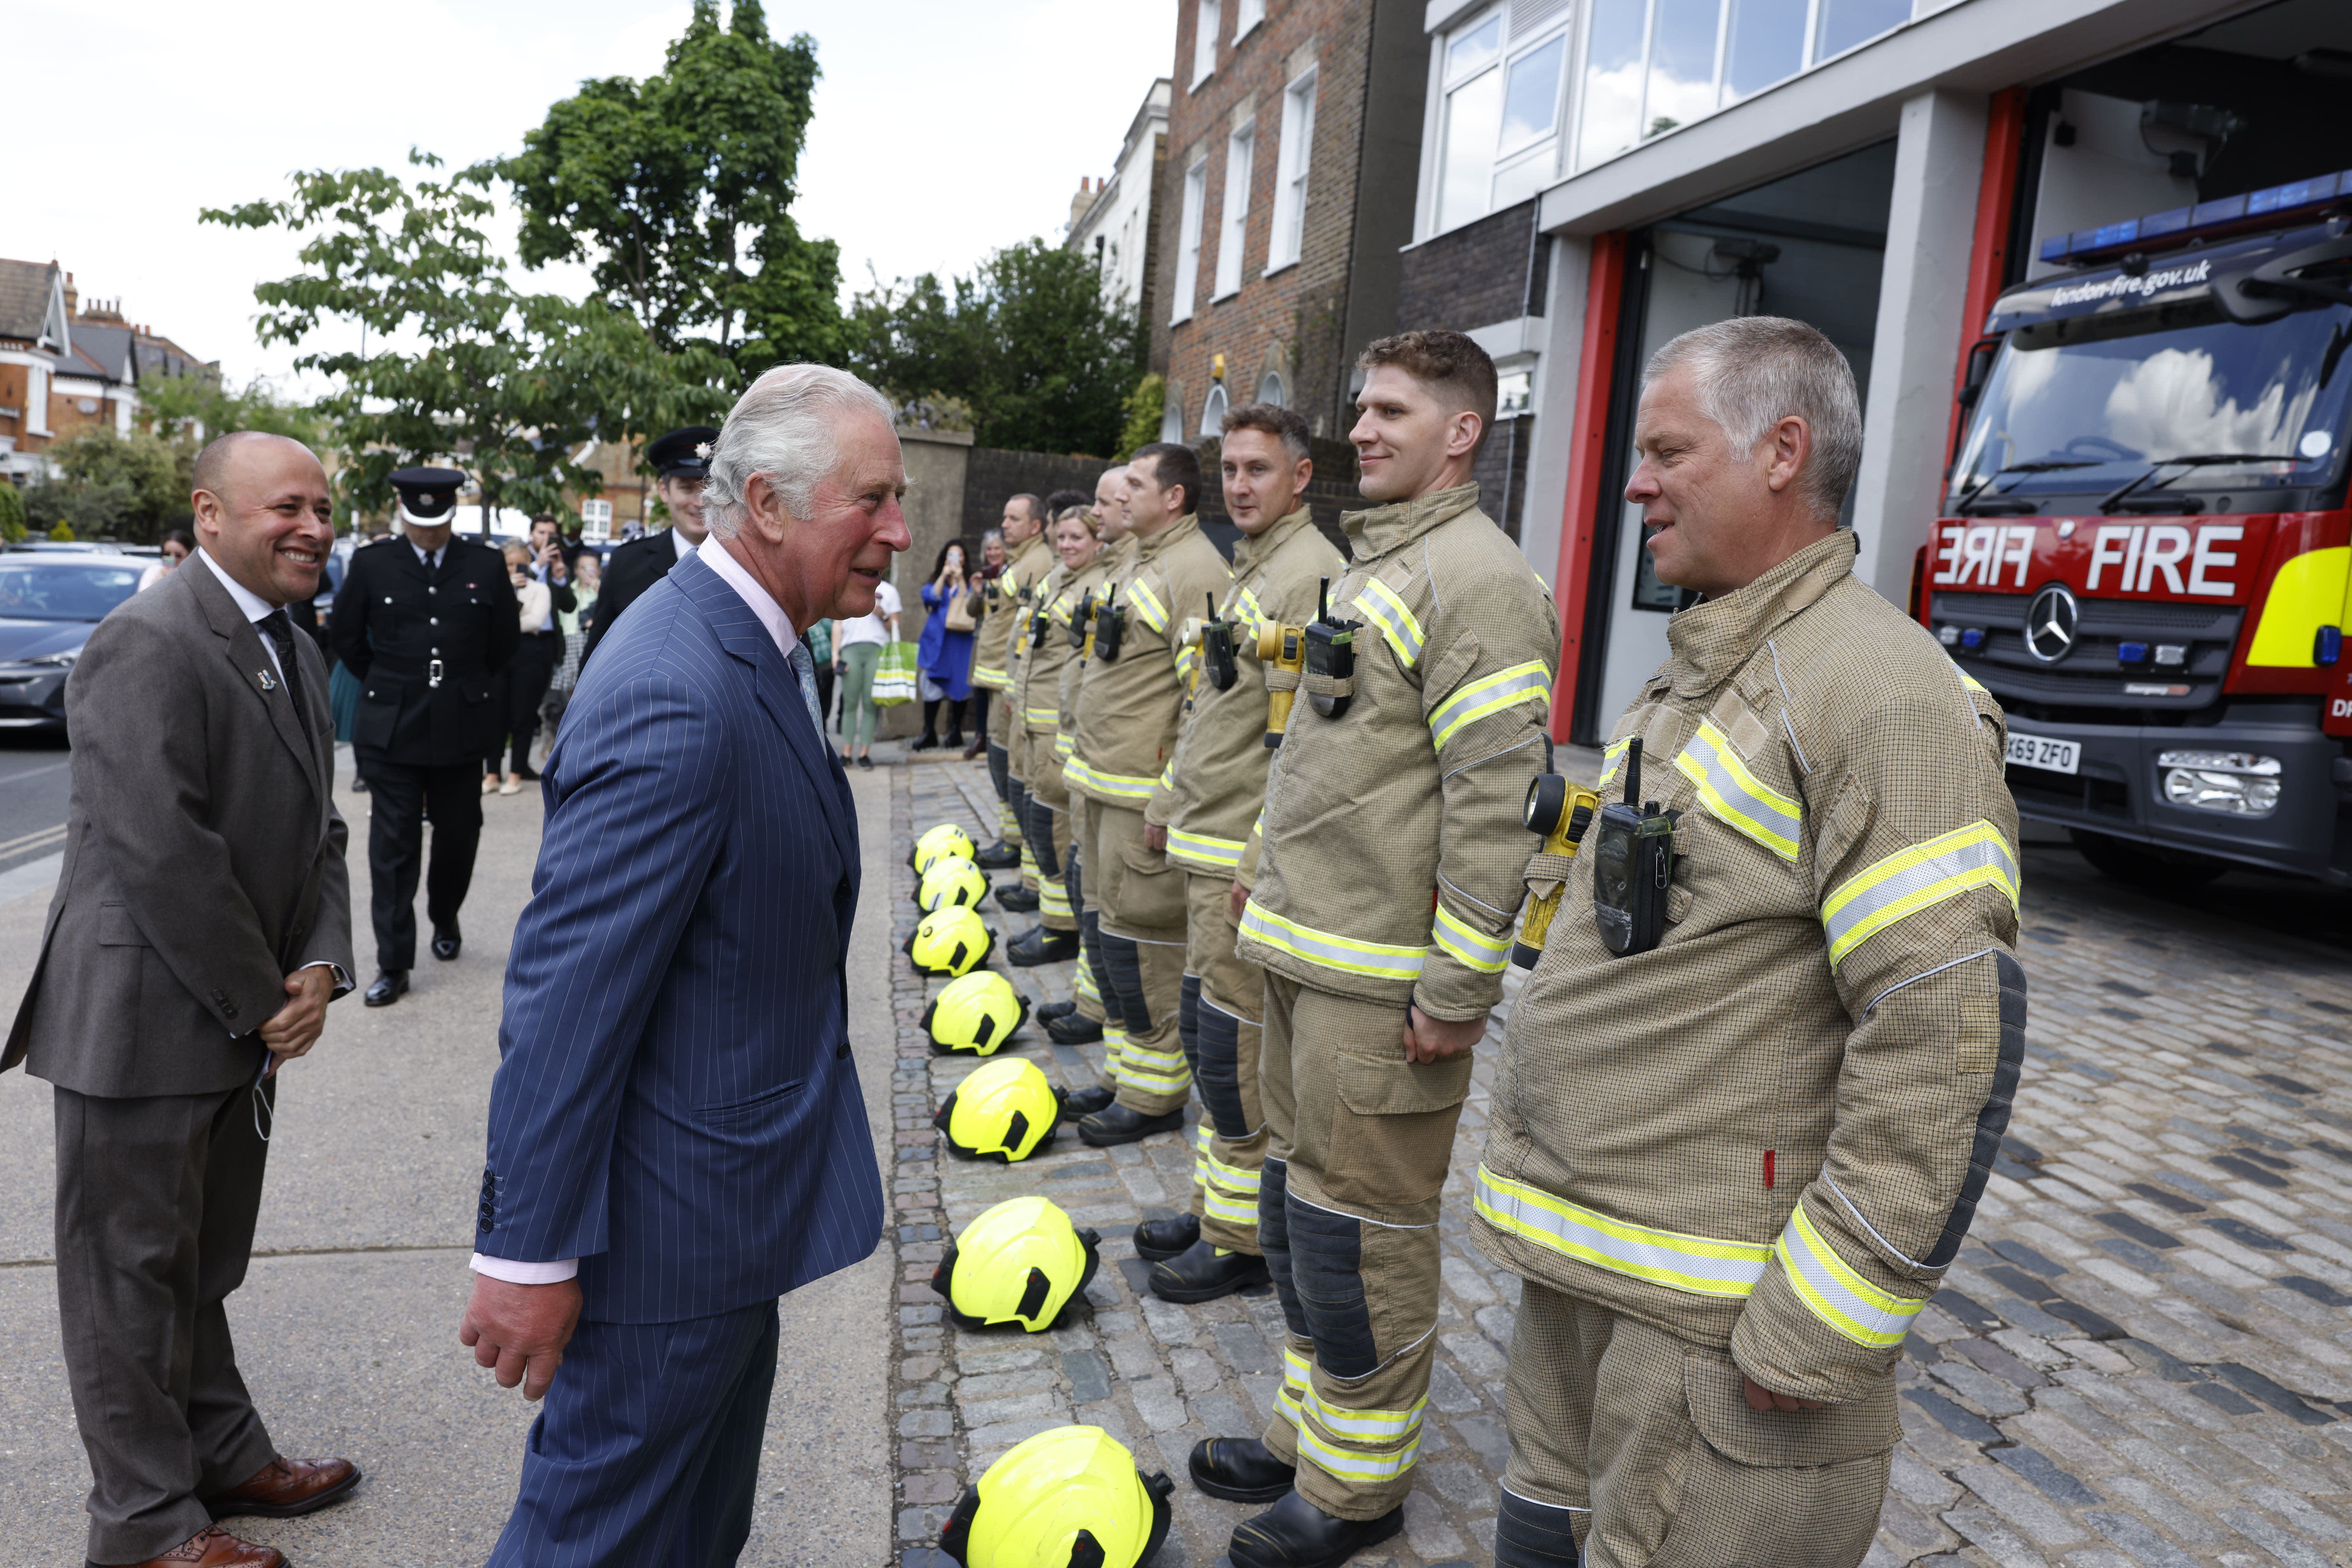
(515, 1273)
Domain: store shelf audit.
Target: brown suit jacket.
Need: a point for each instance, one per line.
(203, 856)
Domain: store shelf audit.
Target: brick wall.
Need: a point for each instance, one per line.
(1474, 276)
(993, 476)
(1296, 321)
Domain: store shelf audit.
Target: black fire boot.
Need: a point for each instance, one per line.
(1117, 1124)
(1162, 1239)
(1032, 948)
(1294, 1533)
(1239, 1469)
(1530, 1534)
(1086, 1101)
(1206, 1272)
(998, 857)
(1074, 1029)
(1014, 898)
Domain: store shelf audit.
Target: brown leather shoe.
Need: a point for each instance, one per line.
(216, 1548)
(285, 1488)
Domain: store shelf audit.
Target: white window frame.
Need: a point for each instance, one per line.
(1207, 16)
(36, 402)
(1247, 14)
(596, 519)
(1513, 46)
(1188, 240)
(1213, 408)
(1233, 226)
(1295, 156)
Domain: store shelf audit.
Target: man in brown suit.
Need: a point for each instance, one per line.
(202, 924)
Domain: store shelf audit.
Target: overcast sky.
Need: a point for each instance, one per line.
(943, 128)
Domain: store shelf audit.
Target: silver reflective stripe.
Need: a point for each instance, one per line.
(1736, 797)
(1917, 878)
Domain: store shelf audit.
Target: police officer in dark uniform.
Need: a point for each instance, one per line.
(423, 621)
(681, 460)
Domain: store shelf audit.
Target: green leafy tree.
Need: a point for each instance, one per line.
(196, 408)
(512, 384)
(114, 487)
(12, 513)
(1144, 407)
(676, 192)
(62, 531)
(1029, 341)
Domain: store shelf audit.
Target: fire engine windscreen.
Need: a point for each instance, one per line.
(2084, 405)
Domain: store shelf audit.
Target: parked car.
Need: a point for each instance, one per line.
(49, 601)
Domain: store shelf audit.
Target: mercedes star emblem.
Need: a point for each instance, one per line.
(2050, 623)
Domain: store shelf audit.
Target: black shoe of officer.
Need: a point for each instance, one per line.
(1073, 1029)
(1162, 1239)
(927, 742)
(1239, 1469)
(1086, 1102)
(1052, 1010)
(446, 940)
(1294, 1533)
(1032, 948)
(998, 857)
(1117, 1124)
(1015, 900)
(1530, 1534)
(391, 986)
(1205, 1272)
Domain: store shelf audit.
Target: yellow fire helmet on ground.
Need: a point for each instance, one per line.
(937, 843)
(977, 1014)
(950, 941)
(952, 881)
(1004, 1111)
(1071, 1497)
(1021, 1262)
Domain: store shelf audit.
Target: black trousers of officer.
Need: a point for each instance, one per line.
(399, 797)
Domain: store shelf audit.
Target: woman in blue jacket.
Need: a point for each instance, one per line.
(944, 656)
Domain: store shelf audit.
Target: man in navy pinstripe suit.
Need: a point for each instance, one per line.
(676, 1135)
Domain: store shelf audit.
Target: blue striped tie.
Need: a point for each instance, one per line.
(805, 668)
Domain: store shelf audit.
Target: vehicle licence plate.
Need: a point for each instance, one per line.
(2041, 752)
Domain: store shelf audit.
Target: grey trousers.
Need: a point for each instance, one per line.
(156, 1200)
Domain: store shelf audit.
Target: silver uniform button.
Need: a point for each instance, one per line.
(432, 620)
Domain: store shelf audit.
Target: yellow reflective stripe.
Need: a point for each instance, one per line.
(1252, 612)
(1735, 797)
(1221, 1205)
(1168, 774)
(1365, 1426)
(1233, 1177)
(1148, 607)
(1395, 619)
(1970, 681)
(1077, 771)
(1185, 660)
(1064, 744)
(1836, 1294)
(1698, 1265)
(1200, 850)
(1053, 898)
(1042, 715)
(1487, 954)
(1085, 983)
(1916, 878)
(1491, 694)
(1202, 1133)
(1175, 1082)
(1347, 954)
(1612, 756)
(1349, 1466)
(1295, 1382)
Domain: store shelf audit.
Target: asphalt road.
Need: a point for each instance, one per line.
(34, 779)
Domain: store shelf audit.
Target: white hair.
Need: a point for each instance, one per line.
(1753, 372)
(783, 426)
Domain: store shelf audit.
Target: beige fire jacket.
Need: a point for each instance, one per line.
(1105, 565)
(1395, 851)
(1002, 609)
(1770, 1132)
(1216, 786)
(1038, 691)
(1127, 706)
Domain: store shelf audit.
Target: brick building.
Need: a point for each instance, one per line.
(1118, 219)
(1294, 135)
(64, 368)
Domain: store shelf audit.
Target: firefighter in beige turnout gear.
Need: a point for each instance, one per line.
(1044, 650)
(1383, 908)
(1202, 815)
(1028, 897)
(1732, 1169)
(1086, 1018)
(1002, 611)
(1130, 696)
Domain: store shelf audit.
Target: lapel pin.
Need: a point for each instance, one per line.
(268, 681)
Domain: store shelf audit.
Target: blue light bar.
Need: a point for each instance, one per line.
(2180, 223)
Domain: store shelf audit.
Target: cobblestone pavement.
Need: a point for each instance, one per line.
(2142, 1356)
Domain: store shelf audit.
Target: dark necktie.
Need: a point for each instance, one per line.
(806, 669)
(280, 632)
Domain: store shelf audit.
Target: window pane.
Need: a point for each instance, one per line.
(1611, 119)
(1473, 115)
(1531, 104)
(1204, 41)
(1768, 45)
(1475, 47)
(1524, 178)
(1681, 65)
(1845, 23)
